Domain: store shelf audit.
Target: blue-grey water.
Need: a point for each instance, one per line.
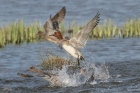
(79, 10)
(121, 56)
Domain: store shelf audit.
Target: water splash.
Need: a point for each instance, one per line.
(65, 78)
(89, 74)
(101, 72)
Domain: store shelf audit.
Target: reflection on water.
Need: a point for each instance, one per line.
(78, 10)
(121, 57)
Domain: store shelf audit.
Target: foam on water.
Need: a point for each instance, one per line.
(89, 74)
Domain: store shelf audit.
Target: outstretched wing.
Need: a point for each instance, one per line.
(48, 24)
(60, 15)
(80, 39)
(50, 31)
(57, 18)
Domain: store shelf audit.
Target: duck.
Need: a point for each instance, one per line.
(78, 41)
(53, 23)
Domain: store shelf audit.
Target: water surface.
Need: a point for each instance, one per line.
(121, 56)
(79, 10)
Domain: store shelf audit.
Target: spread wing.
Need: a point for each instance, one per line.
(50, 31)
(58, 17)
(48, 24)
(80, 39)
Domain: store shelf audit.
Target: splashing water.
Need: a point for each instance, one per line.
(65, 78)
(101, 72)
(84, 75)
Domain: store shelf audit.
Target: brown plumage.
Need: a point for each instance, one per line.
(58, 35)
(53, 23)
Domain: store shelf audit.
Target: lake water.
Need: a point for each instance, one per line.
(79, 10)
(120, 56)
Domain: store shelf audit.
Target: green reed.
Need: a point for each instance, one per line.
(2, 38)
(17, 32)
(62, 26)
(131, 28)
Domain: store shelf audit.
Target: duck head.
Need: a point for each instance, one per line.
(40, 33)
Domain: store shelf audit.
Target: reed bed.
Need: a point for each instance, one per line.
(50, 62)
(109, 30)
(17, 32)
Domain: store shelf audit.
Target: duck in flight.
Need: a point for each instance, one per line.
(78, 41)
(53, 23)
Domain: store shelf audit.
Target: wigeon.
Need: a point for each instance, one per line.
(53, 23)
(78, 41)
